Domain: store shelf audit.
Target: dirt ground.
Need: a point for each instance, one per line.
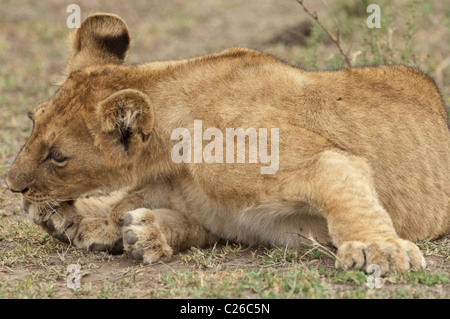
(33, 54)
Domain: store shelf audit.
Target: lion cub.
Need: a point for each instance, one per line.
(240, 146)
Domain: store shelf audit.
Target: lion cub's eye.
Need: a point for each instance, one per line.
(56, 157)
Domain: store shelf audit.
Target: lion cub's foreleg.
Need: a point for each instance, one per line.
(108, 223)
(341, 186)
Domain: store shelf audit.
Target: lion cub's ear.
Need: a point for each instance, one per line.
(125, 123)
(101, 39)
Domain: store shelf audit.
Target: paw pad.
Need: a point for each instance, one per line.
(143, 238)
(130, 237)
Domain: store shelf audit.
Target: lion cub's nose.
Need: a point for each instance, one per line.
(18, 191)
(15, 190)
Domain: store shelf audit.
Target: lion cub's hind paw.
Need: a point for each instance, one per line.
(143, 239)
(390, 255)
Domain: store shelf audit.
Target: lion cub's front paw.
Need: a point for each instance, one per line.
(143, 238)
(390, 255)
(45, 217)
(37, 214)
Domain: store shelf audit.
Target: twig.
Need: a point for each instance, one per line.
(333, 38)
(314, 244)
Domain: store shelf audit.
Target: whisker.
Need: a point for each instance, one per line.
(105, 187)
(60, 200)
(54, 211)
(64, 231)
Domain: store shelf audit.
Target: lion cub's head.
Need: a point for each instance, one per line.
(92, 127)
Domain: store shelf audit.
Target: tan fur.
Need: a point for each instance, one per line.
(364, 155)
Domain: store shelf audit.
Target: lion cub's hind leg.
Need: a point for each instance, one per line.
(154, 235)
